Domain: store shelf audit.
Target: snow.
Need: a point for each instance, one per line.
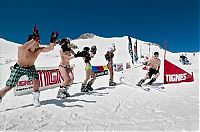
(117, 108)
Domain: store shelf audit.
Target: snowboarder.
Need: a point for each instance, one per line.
(65, 68)
(109, 57)
(87, 54)
(154, 66)
(27, 54)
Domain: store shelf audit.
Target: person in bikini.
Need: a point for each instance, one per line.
(66, 54)
(109, 57)
(27, 54)
(154, 66)
(87, 54)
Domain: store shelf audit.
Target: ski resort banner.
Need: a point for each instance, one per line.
(130, 48)
(49, 77)
(135, 52)
(100, 70)
(174, 74)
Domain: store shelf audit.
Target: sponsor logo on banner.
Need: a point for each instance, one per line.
(175, 77)
(101, 73)
(48, 78)
(100, 70)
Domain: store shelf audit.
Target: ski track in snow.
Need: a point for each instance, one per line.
(103, 109)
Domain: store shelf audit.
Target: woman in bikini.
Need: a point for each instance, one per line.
(87, 54)
(66, 54)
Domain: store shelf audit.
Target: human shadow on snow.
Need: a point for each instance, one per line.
(53, 101)
(88, 93)
(24, 106)
(108, 87)
(157, 84)
(103, 88)
(61, 102)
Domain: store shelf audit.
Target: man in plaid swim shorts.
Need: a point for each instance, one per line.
(18, 71)
(27, 54)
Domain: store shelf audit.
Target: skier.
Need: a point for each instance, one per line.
(65, 68)
(109, 57)
(87, 54)
(27, 54)
(154, 66)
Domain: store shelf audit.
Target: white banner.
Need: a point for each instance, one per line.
(49, 77)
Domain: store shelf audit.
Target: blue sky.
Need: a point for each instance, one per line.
(176, 21)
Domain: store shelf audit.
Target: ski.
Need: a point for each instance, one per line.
(125, 81)
(144, 88)
(155, 87)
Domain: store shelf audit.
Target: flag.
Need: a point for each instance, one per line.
(135, 52)
(174, 74)
(130, 49)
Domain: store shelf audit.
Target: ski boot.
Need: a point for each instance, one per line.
(65, 91)
(89, 86)
(54, 36)
(62, 92)
(151, 81)
(111, 83)
(84, 88)
(140, 83)
(36, 102)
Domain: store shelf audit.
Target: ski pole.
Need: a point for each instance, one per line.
(137, 66)
(132, 68)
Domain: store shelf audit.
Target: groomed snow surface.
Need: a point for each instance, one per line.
(107, 108)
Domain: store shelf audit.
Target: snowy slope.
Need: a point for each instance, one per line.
(119, 108)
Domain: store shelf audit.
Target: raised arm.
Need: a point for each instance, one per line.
(48, 48)
(91, 55)
(29, 44)
(114, 49)
(71, 57)
(72, 51)
(32, 39)
(54, 36)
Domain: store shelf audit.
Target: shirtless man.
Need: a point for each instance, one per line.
(65, 68)
(154, 66)
(27, 54)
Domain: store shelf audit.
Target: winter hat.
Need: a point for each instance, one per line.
(110, 48)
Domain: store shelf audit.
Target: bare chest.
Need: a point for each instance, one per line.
(27, 55)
